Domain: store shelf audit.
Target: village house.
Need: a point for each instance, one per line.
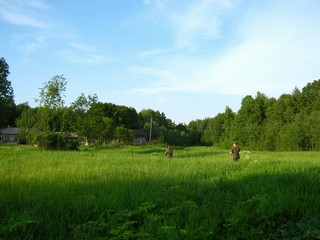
(9, 135)
(140, 137)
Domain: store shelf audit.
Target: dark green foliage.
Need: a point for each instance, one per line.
(56, 141)
(178, 137)
(123, 135)
(6, 91)
(7, 105)
(289, 123)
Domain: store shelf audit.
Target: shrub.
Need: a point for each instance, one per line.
(56, 141)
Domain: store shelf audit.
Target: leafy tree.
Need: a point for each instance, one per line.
(51, 94)
(285, 109)
(83, 103)
(7, 106)
(196, 130)
(271, 126)
(302, 131)
(310, 96)
(160, 118)
(155, 129)
(228, 126)
(47, 119)
(51, 105)
(160, 124)
(297, 98)
(126, 116)
(246, 123)
(313, 124)
(217, 130)
(20, 108)
(76, 120)
(260, 107)
(250, 121)
(178, 136)
(27, 125)
(292, 136)
(68, 120)
(207, 136)
(6, 91)
(97, 128)
(123, 135)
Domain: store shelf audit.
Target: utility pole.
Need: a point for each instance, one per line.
(150, 129)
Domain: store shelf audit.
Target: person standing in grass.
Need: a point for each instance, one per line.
(235, 151)
(168, 153)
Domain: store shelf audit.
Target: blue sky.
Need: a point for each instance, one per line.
(187, 58)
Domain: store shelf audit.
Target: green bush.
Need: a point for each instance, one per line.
(56, 141)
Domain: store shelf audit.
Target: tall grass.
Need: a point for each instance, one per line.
(136, 193)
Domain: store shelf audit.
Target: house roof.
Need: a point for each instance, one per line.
(139, 133)
(9, 131)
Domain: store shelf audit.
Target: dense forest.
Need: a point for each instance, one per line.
(289, 123)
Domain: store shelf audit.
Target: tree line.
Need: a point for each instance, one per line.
(288, 123)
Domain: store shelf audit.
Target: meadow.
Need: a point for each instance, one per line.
(136, 193)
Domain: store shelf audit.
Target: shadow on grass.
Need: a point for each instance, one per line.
(150, 151)
(199, 154)
(258, 206)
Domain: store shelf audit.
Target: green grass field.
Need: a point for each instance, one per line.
(136, 193)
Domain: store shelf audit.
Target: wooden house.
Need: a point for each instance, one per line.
(140, 137)
(9, 135)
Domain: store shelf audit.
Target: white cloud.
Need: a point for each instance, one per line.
(155, 52)
(19, 18)
(35, 45)
(192, 21)
(80, 46)
(45, 31)
(32, 17)
(22, 13)
(198, 21)
(40, 4)
(80, 53)
(277, 49)
(173, 76)
(76, 57)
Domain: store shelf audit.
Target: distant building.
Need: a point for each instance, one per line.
(140, 137)
(9, 135)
